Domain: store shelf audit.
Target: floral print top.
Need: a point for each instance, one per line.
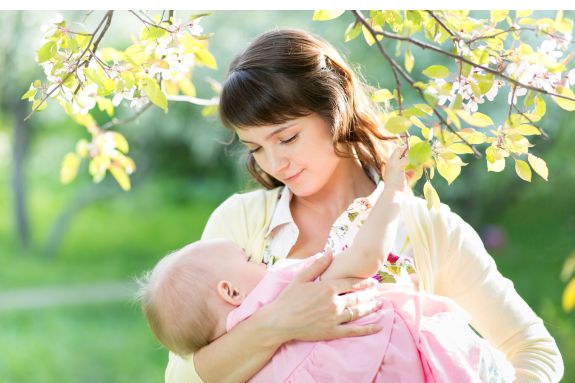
(282, 235)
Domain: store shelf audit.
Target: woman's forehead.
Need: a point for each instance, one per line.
(265, 132)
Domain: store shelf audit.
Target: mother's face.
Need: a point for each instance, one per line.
(299, 153)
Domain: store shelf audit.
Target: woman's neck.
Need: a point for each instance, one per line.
(349, 182)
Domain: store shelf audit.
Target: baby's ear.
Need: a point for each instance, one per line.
(229, 293)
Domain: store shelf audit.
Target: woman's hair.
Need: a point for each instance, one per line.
(175, 300)
(286, 74)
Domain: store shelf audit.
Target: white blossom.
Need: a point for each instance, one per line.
(548, 47)
(571, 77)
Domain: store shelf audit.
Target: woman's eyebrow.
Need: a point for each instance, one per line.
(273, 133)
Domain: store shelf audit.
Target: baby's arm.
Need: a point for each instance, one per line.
(375, 238)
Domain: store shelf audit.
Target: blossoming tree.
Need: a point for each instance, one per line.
(487, 56)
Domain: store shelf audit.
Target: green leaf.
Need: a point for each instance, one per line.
(538, 165)
(199, 15)
(353, 30)
(563, 103)
(210, 110)
(82, 41)
(497, 16)
(39, 105)
(382, 95)
(129, 78)
(326, 15)
(69, 168)
(120, 142)
(368, 36)
(424, 108)
(540, 106)
(121, 176)
(105, 104)
(472, 136)
(154, 93)
(206, 58)
(431, 195)
(436, 71)
(135, 54)
(397, 125)
(152, 33)
(523, 170)
(30, 93)
(47, 51)
(528, 130)
(452, 117)
(460, 148)
(477, 119)
(495, 159)
(448, 170)
(417, 122)
(568, 298)
(523, 13)
(419, 153)
(409, 60)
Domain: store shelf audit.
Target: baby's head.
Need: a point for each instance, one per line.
(188, 294)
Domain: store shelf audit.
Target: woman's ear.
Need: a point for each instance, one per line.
(229, 293)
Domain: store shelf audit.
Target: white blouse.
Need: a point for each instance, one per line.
(283, 232)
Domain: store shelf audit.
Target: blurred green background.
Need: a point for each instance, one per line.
(66, 272)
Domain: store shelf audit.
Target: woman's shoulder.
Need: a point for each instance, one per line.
(251, 199)
(242, 216)
(416, 211)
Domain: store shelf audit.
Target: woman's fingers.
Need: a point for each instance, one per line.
(354, 330)
(358, 310)
(348, 285)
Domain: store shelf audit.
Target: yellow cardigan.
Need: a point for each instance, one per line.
(451, 261)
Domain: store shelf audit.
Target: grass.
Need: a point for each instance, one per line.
(114, 239)
(91, 344)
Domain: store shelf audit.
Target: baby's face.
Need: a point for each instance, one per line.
(231, 263)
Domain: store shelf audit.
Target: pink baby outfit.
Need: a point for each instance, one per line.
(424, 338)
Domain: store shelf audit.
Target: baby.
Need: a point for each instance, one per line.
(200, 292)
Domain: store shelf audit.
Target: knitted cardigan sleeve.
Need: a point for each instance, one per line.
(453, 262)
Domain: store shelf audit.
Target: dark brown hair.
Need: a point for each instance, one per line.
(286, 74)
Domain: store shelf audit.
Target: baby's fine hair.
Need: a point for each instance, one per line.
(174, 297)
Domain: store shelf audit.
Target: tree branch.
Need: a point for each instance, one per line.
(116, 122)
(106, 19)
(543, 132)
(391, 62)
(194, 100)
(147, 23)
(411, 82)
(423, 45)
(442, 24)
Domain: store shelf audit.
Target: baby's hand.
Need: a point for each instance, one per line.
(394, 176)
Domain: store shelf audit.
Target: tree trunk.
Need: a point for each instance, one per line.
(20, 146)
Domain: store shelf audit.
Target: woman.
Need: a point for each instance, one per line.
(314, 144)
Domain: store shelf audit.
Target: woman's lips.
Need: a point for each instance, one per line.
(294, 177)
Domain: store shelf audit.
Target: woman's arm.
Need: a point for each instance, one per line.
(453, 262)
(305, 310)
(299, 312)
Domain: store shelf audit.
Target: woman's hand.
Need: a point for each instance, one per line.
(308, 310)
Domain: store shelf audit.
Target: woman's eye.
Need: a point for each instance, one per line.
(252, 151)
(249, 258)
(291, 139)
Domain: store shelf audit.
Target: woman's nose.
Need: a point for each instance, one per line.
(277, 162)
